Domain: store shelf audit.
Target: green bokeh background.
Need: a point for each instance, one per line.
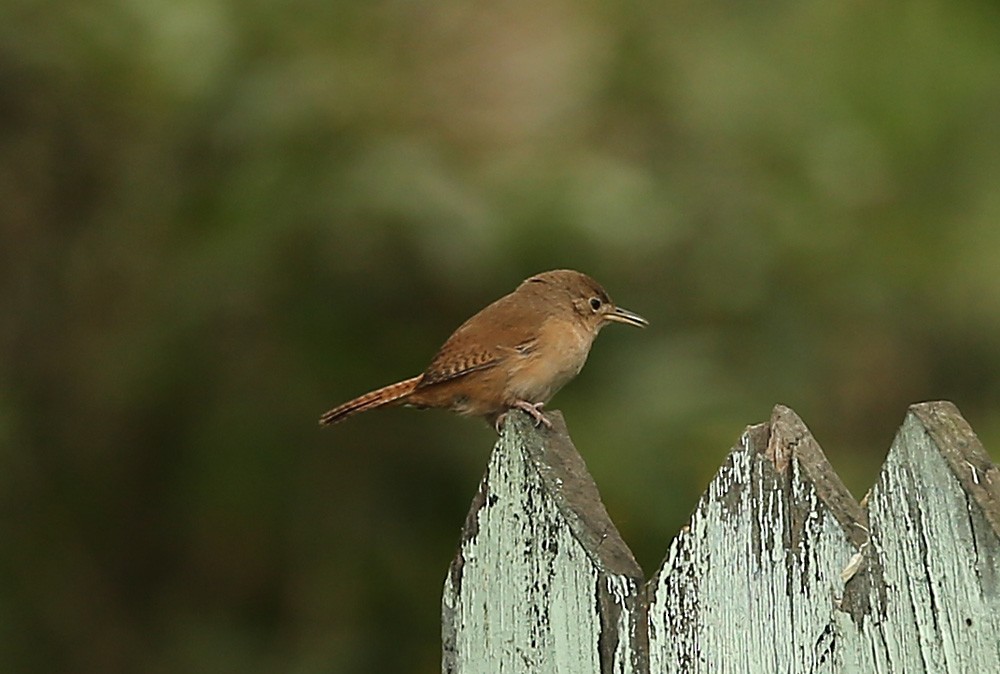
(219, 218)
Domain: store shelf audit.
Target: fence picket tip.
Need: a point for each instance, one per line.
(968, 460)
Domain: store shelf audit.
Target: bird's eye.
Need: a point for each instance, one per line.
(595, 303)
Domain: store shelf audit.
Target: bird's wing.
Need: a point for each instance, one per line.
(501, 331)
(446, 366)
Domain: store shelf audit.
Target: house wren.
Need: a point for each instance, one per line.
(514, 354)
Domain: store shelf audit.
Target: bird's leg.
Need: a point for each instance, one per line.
(534, 410)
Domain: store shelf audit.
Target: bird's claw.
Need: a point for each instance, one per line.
(534, 410)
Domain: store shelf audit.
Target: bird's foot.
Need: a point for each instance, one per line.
(534, 410)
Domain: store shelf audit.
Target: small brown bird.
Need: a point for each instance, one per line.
(514, 354)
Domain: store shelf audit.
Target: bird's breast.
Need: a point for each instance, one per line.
(557, 356)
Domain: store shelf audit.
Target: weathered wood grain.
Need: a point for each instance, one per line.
(778, 570)
(542, 581)
(751, 583)
(929, 597)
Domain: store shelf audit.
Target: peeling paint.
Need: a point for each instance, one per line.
(534, 596)
(778, 570)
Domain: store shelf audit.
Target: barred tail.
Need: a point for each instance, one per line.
(369, 401)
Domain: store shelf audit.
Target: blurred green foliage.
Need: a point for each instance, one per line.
(220, 218)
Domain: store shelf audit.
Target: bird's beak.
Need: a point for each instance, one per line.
(620, 315)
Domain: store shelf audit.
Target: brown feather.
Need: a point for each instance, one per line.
(387, 395)
(487, 339)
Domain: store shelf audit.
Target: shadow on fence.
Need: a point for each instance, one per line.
(778, 570)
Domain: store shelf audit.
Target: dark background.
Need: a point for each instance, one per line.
(219, 218)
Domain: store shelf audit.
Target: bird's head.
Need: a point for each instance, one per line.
(588, 301)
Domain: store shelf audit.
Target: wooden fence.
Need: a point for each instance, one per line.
(779, 570)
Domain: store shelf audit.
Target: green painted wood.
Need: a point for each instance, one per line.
(751, 583)
(778, 570)
(928, 599)
(542, 581)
